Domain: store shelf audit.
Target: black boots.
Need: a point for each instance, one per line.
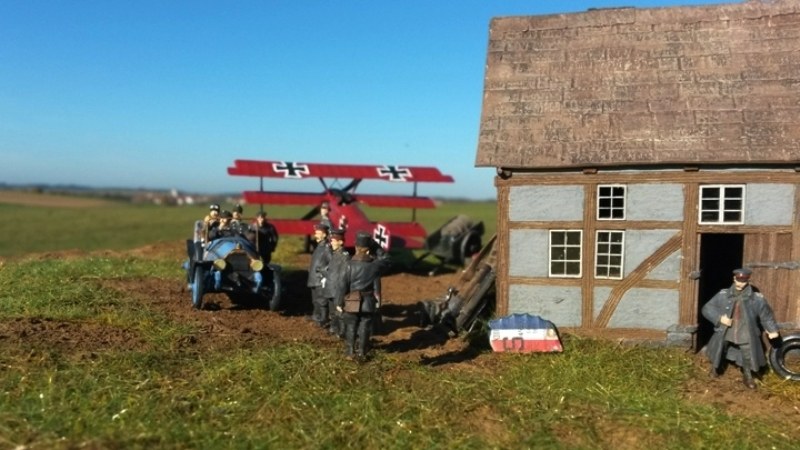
(747, 378)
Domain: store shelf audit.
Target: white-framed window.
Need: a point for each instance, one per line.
(722, 204)
(565, 253)
(609, 254)
(611, 202)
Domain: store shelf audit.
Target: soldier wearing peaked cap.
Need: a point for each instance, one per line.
(738, 314)
(317, 270)
(362, 280)
(334, 281)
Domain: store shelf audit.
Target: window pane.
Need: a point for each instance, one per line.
(709, 216)
(614, 272)
(573, 268)
(732, 216)
(574, 238)
(557, 238)
(557, 268)
(573, 253)
(733, 204)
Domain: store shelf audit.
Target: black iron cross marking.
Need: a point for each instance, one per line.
(381, 236)
(394, 173)
(290, 169)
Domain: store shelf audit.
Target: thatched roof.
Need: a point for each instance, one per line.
(682, 86)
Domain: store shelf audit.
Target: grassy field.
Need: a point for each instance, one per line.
(144, 387)
(120, 226)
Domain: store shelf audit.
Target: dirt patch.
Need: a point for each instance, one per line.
(83, 339)
(224, 324)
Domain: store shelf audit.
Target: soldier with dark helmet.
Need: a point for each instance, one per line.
(317, 270)
(738, 314)
(334, 280)
(212, 216)
(362, 300)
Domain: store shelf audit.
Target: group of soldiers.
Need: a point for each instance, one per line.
(346, 290)
(219, 223)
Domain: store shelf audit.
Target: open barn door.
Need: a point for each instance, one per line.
(770, 257)
(720, 254)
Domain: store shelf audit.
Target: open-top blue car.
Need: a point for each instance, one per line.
(230, 264)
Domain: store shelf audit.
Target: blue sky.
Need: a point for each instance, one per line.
(166, 94)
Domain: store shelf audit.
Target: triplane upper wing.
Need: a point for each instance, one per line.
(344, 203)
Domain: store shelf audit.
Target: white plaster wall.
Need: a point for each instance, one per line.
(668, 270)
(558, 304)
(545, 203)
(640, 244)
(655, 202)
(528, 253)
(655, 309)
(769, 204)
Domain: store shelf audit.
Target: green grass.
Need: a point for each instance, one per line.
(295, 395)
(151, 391)
(123, 226)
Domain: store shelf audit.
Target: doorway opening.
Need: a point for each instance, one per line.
(720, 255)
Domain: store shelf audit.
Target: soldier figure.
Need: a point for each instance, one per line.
(363, 281)
(212, 216)
(264, 236)
(236, 222)
(316, 274)
(334, 281)
(222, 228)
(737, 313)
(324, 212)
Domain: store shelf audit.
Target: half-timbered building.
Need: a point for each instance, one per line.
(642, 155)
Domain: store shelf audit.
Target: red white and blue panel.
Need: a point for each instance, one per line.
(524, 333)
(300, 170)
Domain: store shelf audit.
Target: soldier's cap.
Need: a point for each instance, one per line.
(262, 214)
(337, 234)
(214, 207)
(325, 205)
(321, 226)
(238, 208)
(225, 214)
(363, 239)
(742, 274)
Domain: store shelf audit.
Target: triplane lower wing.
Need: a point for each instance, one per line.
(340, 192)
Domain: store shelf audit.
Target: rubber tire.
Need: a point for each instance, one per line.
(777, 357)
(470, 245)
(198, 287)
(275, 301)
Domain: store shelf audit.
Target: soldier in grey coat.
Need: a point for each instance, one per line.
(316, 274)
(362, 279)
(738, 314)
(334, 281)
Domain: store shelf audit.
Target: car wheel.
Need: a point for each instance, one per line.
(470, 245)
(785, 357)
(198, 287)
(275, 300)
